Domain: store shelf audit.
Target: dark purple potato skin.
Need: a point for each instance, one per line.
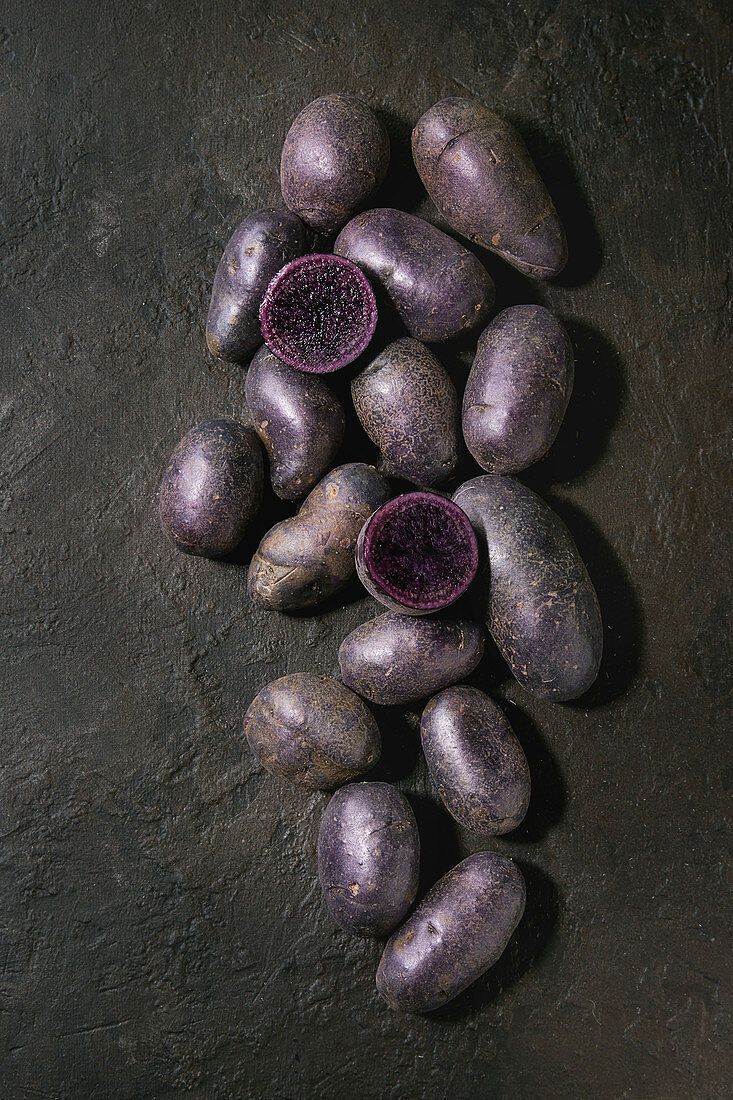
(542, 610)
(456, 933)
(398, 659)
(312, 731)
(409, 408)
(437, 286)
(478, 172)
(299, 421)
(260, 245)
(368, 858)
(475, 761)
(518, 389)
(303, 560)
(335, 156)
(212, 488)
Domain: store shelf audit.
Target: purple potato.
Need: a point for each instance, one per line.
(368, 858)
(398, 659)
(409, 408)
(475, 761)
(319, 313)
(456, 933)
(478, 172)
(260, 245)
(312, 731)
(212, 488)
(518, 389)
(436, 285)
(310, 556)
(334, 158)
(299, 421)
(417, 554)
(542, 610)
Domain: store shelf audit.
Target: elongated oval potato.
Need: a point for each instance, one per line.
(475, 760)
(542, 610)
(478, 172)
(456, 933)
(436, 285)
(518, 389)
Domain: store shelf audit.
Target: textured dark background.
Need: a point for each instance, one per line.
(161, 928)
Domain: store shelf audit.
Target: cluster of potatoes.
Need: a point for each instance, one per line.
(494, 543)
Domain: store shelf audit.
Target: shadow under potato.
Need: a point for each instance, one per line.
(401, 188)
(439, 841)
(400, 745)
(548, 797)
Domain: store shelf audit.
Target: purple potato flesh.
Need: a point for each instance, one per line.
(319, 313)
(409, 408)
(334, 157)
(259, 247)
(312, 731)
(518, 389)
(475, 760)
(299, 421)
(457, 932)
(417, 553)
(397, 659)
(303, 560)
(212, 488)
(368, 858)
(436, 285)
(542, 610)
(478, 172)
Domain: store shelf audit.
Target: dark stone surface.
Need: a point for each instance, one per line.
(161, 925)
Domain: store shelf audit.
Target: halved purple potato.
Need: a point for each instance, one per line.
(368, 858)
(334, 157)
(312, 731)
(475, 760)
(257, 249)
(318, 313)
(417, 554)
(212, 488)
(457, 932)
(397, 659)
(436, 285)
(298, 419)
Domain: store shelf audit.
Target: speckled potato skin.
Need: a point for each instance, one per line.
(409, 408)
(260, 245)
(299, 421)
(475, 761)
(312, 731)
(307, 558)
(457, 932)
(212, 488)
(334, 158)
(437, 286)
(518, 389)
(478, 172)
(397, 659)
(542, 610)
(368, 858)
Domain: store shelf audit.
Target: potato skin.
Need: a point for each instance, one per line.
(298, 419)
(478, 172)
(260, 245)
(518, 389)
(312, 731)
(542, 610)
(334, 157)
(456, 933)
(307, 558)
(436, 285)
(475, 760)
(212, 488)
(397, 659)
(368, 858)
(408, 406)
